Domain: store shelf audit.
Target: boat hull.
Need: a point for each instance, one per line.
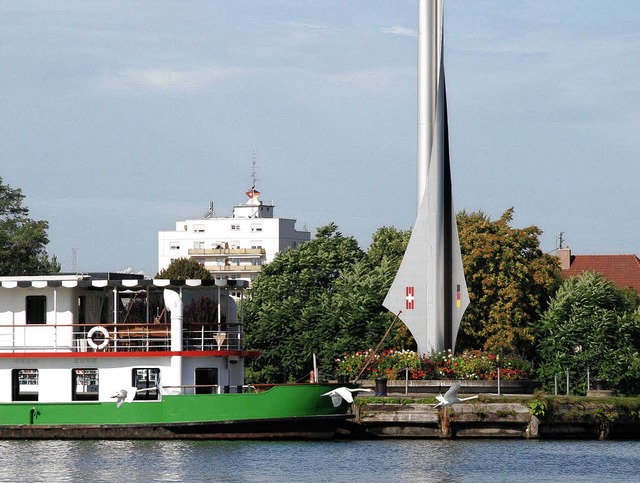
(312, 427)
(282, 412)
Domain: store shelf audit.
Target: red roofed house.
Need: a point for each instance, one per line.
(622, 270)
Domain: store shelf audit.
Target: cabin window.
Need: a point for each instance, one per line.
(82, 309)
(24, 384)
(146, 380)
(36, 309)
(84, 384)
(206, 380)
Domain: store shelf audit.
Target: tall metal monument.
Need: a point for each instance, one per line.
(429, 292)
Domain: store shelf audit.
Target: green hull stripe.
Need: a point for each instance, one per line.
(277, 402)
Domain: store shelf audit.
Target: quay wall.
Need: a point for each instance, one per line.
(496, 417)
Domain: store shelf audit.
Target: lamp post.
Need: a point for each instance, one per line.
(577, 349)
(498, 364)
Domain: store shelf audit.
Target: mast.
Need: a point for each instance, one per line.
(429, 43)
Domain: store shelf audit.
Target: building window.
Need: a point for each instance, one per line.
(24, 384)
(206, 380)
(36, 309)
(198, 245)
(198, 228)
(174, 245)
(235, 227)
(84, 384)
(256, 227)
(146, 380)
(256, 244)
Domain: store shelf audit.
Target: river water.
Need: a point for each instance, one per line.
(331, 461)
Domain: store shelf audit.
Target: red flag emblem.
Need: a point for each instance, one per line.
(409, 298)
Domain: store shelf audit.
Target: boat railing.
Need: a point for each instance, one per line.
(212, 337)
(120, 337)
(210, 389)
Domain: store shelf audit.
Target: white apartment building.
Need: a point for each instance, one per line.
(234, 247)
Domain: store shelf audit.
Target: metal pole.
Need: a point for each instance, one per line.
(315, 369)
(555, 385)
(588, 381)
(567, 382)
(498, 380)
(406, 380)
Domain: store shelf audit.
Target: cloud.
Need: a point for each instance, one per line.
(170, 80)
(400, 31)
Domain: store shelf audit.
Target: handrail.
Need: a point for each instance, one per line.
(121, 337)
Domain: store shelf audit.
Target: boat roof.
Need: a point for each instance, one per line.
(112, 280)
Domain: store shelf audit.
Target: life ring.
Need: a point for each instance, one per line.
(93, 332)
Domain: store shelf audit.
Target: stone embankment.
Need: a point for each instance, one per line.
(491, 416)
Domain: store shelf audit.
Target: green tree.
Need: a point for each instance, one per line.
(353, 316)
(23, 241)
(385, 252)
(390, 243)
(590, 324)
(183, 269)
(284, 318)
(324, 298)
(510, 282)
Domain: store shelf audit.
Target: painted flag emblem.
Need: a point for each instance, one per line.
(458, 296)
(409, 298)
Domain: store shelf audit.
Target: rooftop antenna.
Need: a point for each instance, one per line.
(254, 176)
(209, 213)
(560, 239)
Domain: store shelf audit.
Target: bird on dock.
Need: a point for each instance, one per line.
(343, 394)
(451, 396)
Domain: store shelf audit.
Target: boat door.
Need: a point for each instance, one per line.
(206, 380)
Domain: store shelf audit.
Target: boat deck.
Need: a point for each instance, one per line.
(122, 337)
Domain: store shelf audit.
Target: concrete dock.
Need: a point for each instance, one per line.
(494, 417)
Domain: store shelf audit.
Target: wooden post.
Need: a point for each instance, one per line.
(445, 422)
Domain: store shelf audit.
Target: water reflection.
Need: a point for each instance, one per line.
(397, 460)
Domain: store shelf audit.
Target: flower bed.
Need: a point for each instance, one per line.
(470, 365)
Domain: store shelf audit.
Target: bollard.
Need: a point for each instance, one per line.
(381, 386)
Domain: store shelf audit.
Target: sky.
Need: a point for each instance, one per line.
(120, 117)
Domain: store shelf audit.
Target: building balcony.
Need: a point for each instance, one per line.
(233, 268)
(212, 252)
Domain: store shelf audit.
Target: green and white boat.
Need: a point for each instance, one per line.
(119, 356)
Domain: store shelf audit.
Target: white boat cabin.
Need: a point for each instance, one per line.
(84, 337)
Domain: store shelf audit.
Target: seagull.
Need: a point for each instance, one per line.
(121, 397)
(343, 393)
(451, 396)
(127, 395)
